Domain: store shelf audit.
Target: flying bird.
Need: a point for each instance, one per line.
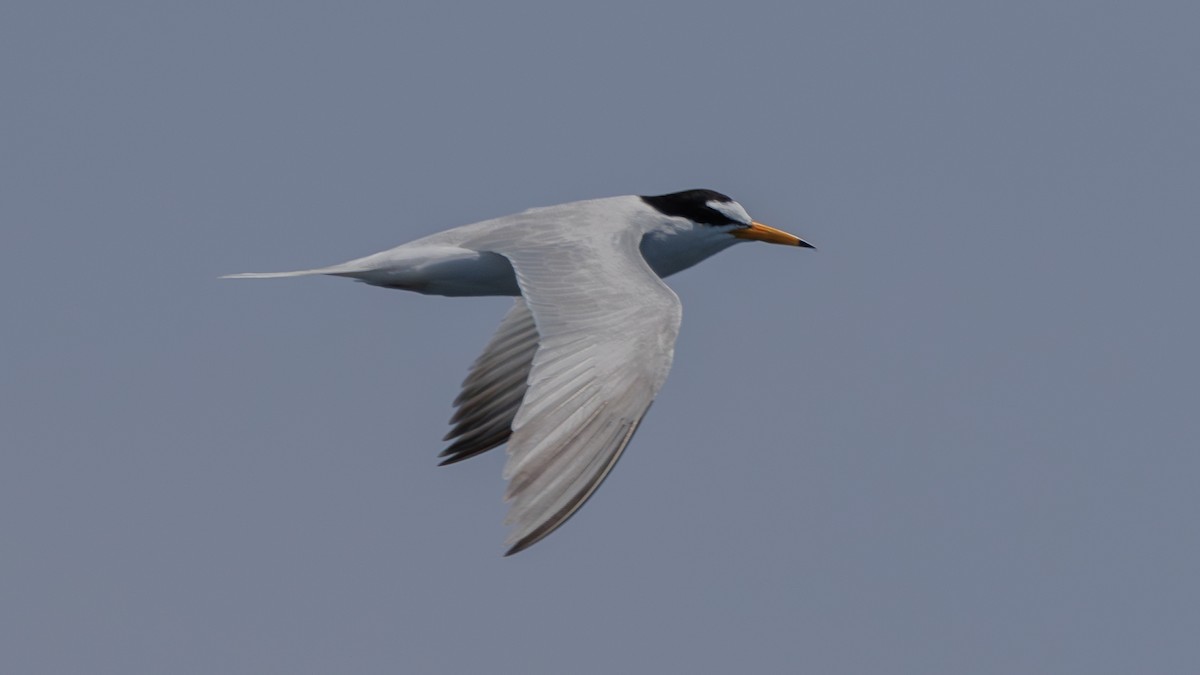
(583, 351)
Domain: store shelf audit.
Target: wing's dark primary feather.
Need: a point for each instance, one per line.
(494, 388)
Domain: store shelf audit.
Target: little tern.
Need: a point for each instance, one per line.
(583, 351)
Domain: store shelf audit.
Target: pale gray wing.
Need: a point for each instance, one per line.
(494, 387)
(607, 327)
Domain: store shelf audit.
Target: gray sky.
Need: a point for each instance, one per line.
(962, 437)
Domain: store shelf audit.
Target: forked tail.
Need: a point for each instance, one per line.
(271, 275)
(341, 270)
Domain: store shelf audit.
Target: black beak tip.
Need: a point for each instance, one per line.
(805, 244)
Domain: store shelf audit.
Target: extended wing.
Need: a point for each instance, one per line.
(607, 326)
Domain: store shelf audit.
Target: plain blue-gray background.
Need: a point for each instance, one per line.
(961, 437)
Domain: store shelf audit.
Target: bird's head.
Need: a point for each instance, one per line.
(707, 211)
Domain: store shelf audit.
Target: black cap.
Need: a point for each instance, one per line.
(693, 205)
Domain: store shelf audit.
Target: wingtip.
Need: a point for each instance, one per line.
(516, 548)
(531, 538)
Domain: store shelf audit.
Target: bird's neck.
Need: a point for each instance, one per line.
(671, 252)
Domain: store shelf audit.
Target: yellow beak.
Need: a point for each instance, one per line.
(760, 232)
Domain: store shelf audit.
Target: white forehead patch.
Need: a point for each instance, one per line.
(731, 210)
